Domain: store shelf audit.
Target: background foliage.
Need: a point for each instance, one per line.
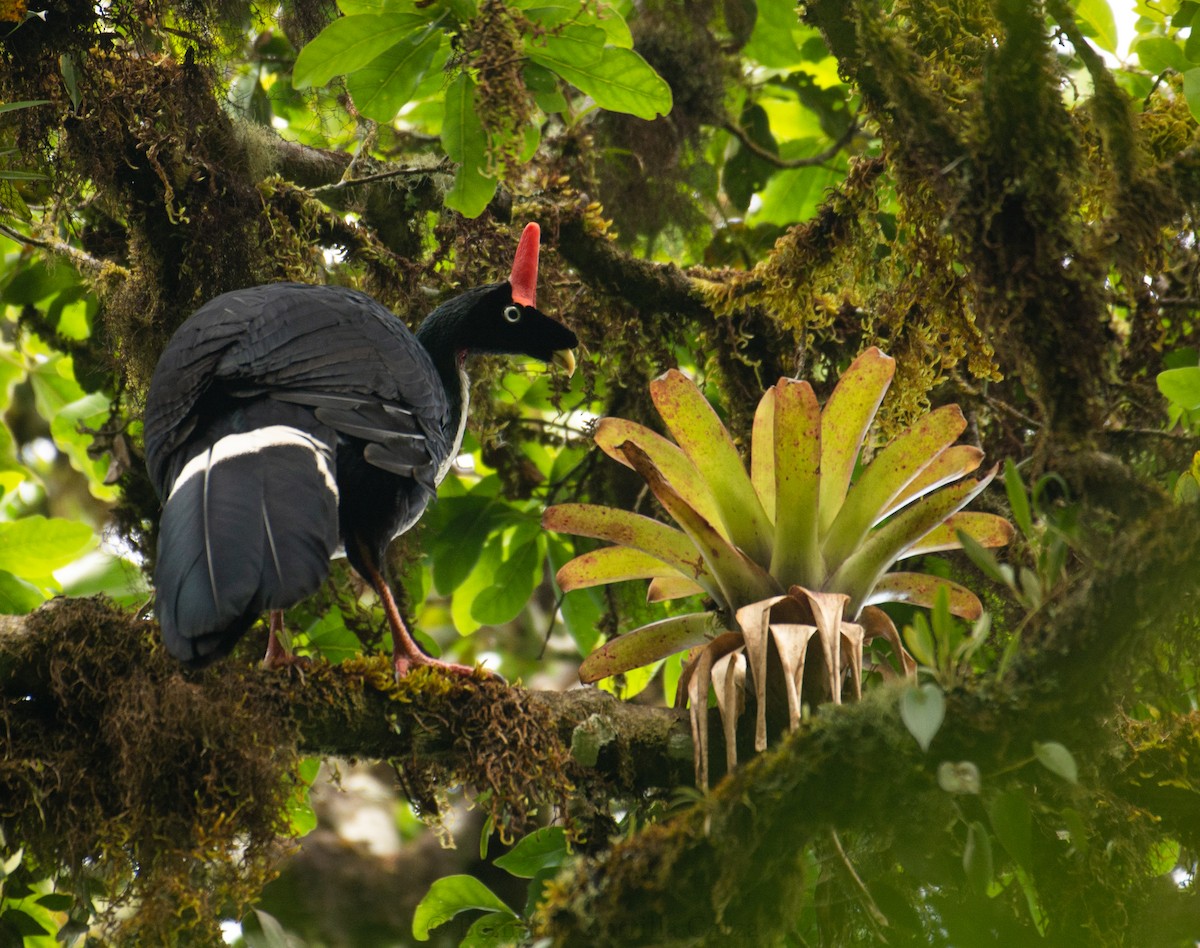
(1002, 195)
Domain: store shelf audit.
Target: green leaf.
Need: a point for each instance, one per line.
(648, 644)
(23, 104)
(977, 858)
(17, 597)
(987, 563)
(581, 609)
(740, 578)
(610, 564)
(629, 529)
(1056, 759)
(57, 902)
(382, 87)
(956, 461)
(698, 430)
(449, 896)
(858, 575)
(1164, 856)
(985, 529)
(762, 452)
(844, 422)
(544, 86)
(796, 554)
(772, 42)
(516, 578)
(885, 478)
(1158, 54)
(495, 930)
(921, 589)
(34, 547)
(1096, 20)
(465, 142)
(671, 460)
(1181, 386)
(1018, 500)
(545, 848)
(922, 710)
(349, 43)
(619, 81)
(1012, 823)
(793, 194)
(24, 924)
(574, 47)
(919, 640)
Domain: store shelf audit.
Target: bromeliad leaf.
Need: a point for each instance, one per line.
(619, 81)
(667, 457)
(649, 644)
(703, 437)
(611, 564)
(987, 530)
(921, 589)
(630, 529)
(796, 554)
(844, 422)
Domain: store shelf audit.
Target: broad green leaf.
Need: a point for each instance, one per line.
(495, 930)
(844, 422)
(465, 142)
(610, 564)
(457, 544)
(544, 86)
(619, 81)
(772, 42)
(1164, 856)
(629, 529)
(449, 896)
(793, 194)
(762, 452)
(977, 858)
(1018, 500)
(481, 577)
(860, 572)
(702, 436)
(1056, 759)
(922, 710)
(796, 554)
(582, 608)
(987, 563)
(34, 547)
(1158, 54)
(542, 849)
(1096, 20)
(515, 580)
(883, 480)
(1181, 386)
(921, 589)
(739, 577)
(956, 461)
(17, 597)
(574, 47)
(349, 43)
(1012, 822)
(670, 460)
(648, 644)
(382, 87)
(987, 530)
(919, 641)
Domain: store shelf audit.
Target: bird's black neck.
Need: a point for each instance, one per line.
(444, 336)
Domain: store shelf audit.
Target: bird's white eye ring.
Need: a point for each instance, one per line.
(512, 314)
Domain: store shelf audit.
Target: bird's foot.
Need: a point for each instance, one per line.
(406, 663)
(275, 661)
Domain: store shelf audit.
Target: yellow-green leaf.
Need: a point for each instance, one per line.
(649, 644)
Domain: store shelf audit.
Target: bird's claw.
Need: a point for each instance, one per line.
(404, 664)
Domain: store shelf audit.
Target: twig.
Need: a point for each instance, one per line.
(758, 151)
(382, 175)
(80, 258)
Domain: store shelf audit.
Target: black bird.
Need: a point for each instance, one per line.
(285, 421)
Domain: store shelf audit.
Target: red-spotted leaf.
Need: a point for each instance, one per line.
(649, 644)
(610, 564)
(796, 557)
(921, 589)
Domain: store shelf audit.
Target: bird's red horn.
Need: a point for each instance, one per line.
(524, 270)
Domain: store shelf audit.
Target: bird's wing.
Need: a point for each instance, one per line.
(330, 348)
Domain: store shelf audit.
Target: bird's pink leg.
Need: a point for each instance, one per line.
(277, 656)
(406, 654)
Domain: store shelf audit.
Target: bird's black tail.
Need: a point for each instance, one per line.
(249, 525)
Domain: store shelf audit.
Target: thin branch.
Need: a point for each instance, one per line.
(769, 156)
(80, 258)
(345, 183)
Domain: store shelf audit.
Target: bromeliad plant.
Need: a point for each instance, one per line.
(794, 550)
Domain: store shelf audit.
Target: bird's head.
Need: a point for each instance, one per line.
(503, 318)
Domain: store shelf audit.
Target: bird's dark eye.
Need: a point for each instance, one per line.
(512, 314)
